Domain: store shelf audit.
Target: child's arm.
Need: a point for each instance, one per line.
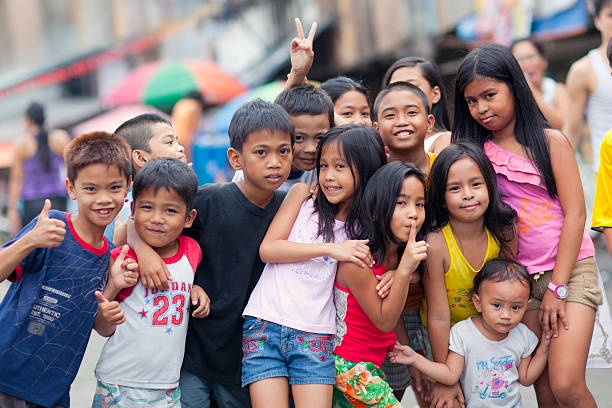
(47, 233)
(446, 373)
(569, 189)
(384, 313)
(302, 55)
(275, 248)
(153, 270)
(438, 311)
(530, 368)
(201, 302)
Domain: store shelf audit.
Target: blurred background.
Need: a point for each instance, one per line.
(96, 63)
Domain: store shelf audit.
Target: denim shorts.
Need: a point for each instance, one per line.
(272, 350)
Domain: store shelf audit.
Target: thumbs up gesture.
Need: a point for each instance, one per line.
(123, 271)
(415, 252)
(48, 232)
(108, 310)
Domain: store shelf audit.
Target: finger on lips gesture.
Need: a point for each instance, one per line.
(109, 310)
(416, 251)
(48, 232)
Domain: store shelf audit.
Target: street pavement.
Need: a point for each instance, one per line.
(598, 380)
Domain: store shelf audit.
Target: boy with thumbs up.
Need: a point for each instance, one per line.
(55, 264)
(141, 361)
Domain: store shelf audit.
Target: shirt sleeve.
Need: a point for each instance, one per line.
(602, 207)
(457, 344)
(530, 340)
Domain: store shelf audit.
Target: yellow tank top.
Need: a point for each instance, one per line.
(459, 277)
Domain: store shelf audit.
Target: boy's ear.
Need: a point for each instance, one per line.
(132, 207)
(431, 121)
(139, 157)
(436, 95)
(190, 217)
(70, 189)
(375, 125)
(476, 301)
(235, 159)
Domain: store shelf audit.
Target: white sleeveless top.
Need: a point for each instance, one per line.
(299, 295)
(599, 105)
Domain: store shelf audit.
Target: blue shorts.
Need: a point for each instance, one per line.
(271, 350)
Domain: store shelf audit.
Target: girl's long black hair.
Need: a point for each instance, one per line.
(379, 203)
(496, 62)
(498, 218)
(364, 152)
(36, 114)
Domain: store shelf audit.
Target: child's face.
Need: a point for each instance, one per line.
(502, 305)
(491, 104)
(352, 107)
(466, 194)
(336, 180)
(265, 160)
(309, 129)
(159, 219)
(100, 192)
(403, 122)
(164, 143)
(414, 76)
(603, 22)
(409, 205)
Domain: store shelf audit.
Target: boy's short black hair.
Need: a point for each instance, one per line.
(255, 116)
(137, 130)
(400, 86)
(594, 6)
(168, 173)
(499, 270)
(97, 148)
(306, 99)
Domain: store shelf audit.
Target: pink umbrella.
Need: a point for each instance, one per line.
(163, 83)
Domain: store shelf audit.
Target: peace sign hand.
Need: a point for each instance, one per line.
(301, 51)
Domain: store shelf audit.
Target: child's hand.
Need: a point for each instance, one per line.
(354, 250)
(420, 384)
(385, 282)
(153, 270)
(402, 354)
(544, 344)
(301, 52)
(200, 299)
(552, 310)
(124, 272)
(415, 252)
(109, 311)
(48, 232)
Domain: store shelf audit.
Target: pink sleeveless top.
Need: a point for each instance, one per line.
(357, 338)
(540, 216)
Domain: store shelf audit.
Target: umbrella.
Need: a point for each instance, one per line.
(162, 83)
(110, 120)
(219, 121)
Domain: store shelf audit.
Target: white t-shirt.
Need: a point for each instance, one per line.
(490, 374)
(147, 349)
(299, 295)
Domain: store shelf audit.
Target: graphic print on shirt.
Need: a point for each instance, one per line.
(492, 382)
(166, 308)
(312, 270)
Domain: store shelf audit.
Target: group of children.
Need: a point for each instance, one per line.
(303, 295)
